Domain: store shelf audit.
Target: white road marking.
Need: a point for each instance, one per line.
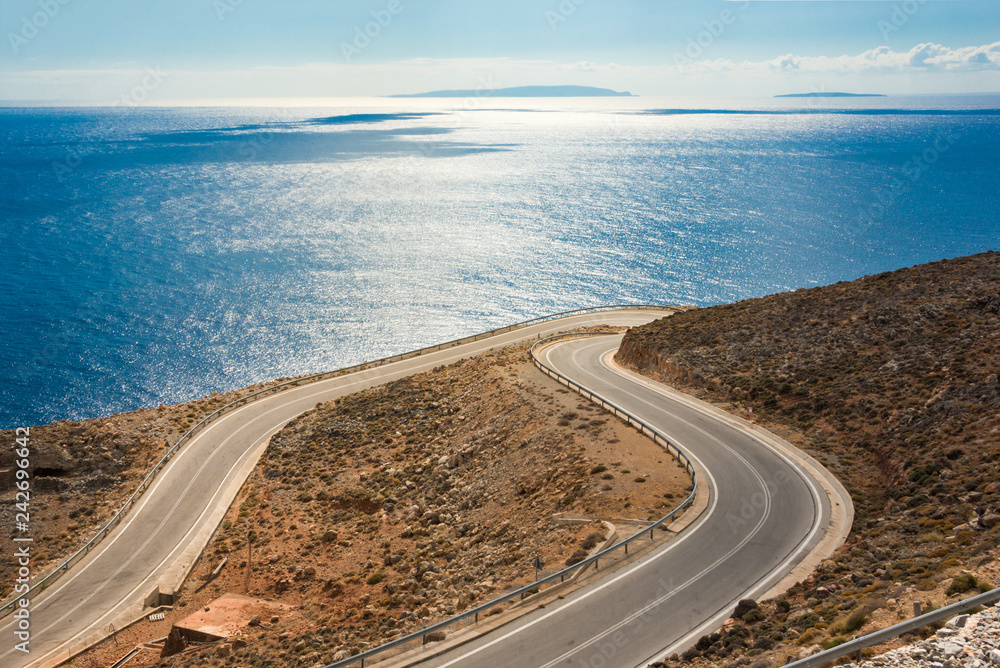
(817, 518)
(366, 377)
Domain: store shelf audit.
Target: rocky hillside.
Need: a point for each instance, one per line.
(891, 382)
(376, 514)
(964, 640)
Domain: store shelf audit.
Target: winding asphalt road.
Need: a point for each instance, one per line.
(160, 539)
(767, 512)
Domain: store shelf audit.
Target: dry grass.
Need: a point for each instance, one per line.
(891, 382)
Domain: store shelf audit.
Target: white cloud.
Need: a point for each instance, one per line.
(882, 59)
(926, 68)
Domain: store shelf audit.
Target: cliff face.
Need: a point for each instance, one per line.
(891, 382)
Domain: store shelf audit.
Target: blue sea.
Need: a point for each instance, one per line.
(153, 255)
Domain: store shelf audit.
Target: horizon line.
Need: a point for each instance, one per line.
(298, 101)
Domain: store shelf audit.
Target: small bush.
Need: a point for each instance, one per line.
(600, 468)
(691, 654)
(857, 619)
(964, 582)
(808, 621)
(737, 632)
(376, 577)
(744, 606)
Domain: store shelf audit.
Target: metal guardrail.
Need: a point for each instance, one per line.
(561, 575)
(9, 605)
(878, 637)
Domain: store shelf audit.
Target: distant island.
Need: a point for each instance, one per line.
(526, 91)
(832, 95)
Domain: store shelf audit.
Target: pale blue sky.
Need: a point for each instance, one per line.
(187, 49)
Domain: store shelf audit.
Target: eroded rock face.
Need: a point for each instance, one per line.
(52, 459)
(49, 464)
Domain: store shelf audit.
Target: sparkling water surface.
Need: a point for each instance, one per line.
(156, 255)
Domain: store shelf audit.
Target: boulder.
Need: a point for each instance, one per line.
(957, 622)
(950, 649)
